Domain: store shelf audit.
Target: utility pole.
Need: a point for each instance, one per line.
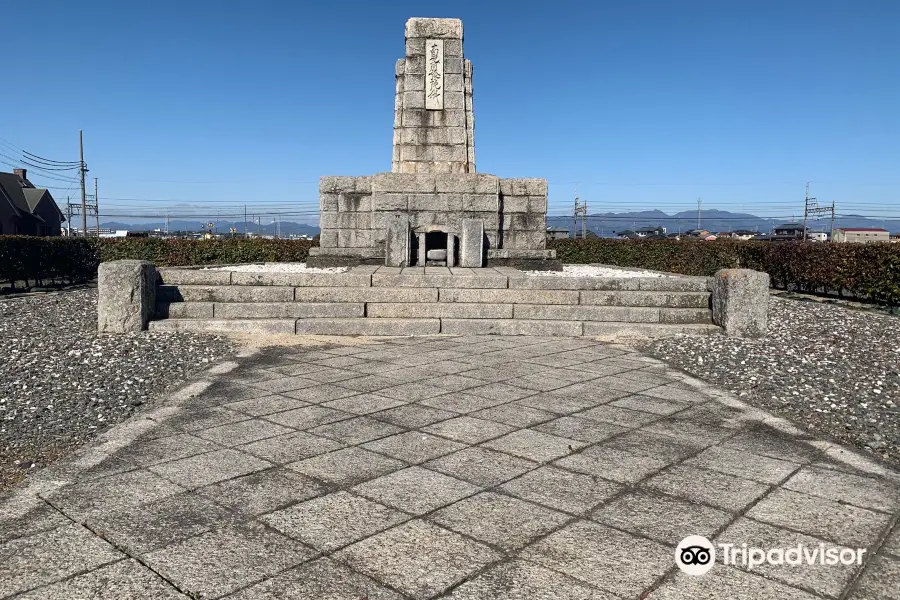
(82, 170)
(245, 220)
(69, 215)
(699, 204)
(805, 210)
(811, 208)
(97, 206)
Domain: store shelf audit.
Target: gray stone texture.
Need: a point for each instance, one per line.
(126, 295)
(740, 301)
(397, 244)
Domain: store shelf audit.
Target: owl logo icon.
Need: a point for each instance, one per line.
(695, 555)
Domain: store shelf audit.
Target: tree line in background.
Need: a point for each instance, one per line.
(864, 271)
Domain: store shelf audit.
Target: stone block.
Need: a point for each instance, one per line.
(438, 310)
(251, 326)
(413, 135)
(414, 117)
(356, 238)
(368, 326)
(449, 117)
(416, 47)
(283, 310)
(328, 202)
(413, 99)
(389, 202)
(453, 83)
(348, 294)
(126, 295)
(415, 65)
(337, 184)
(510, 327)
(400, 67)
(515, 204)
(328, 239)
(471, 247)
(587, 313)
(413, 83)
(740, 302)
(637, 298)
(456, 101)
(685, 315)
(204, 293)
(480, 202)
(452, 65)
(184, 310)
(390, 280)
(355, 202)
(418, 27)
(180, 276)
(403, 183)
(509, 296)
(398, 243)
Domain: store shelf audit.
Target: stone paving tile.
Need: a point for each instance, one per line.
(370, 383)
(341, 362)
(577, 428)
(665, 519)
(501, 392)
(157, 450)
(481, 466)
(649, 404)
(574, 493)
(828, 580)
(602, 369)
(112, 493)
(521, 580)
(22, 516)
(818, 517)
(619, 416)
(320, 393)
(534, 445)
(43, 558)
(675, 392)
(363, 404)
(455, 383)
(879, 581)
(866, 492)
(574, 375)
(892, 543)
(515, 414)
(291, 447)
(417, 558)
(741, 464)
(122, 580)
(537, 382)
(709, 487)
(556, 360)
(411, 392)
(461, 402)
(196, 420)
(140, 529)
(489, 374)
(285, 384)
(212, 467)
(329, 375)
(769, 442)
(413, 416)
(559, 404)
(607, 558)
(469, 429)
(258, 407)
(243, 432)
(616, 465)
(690, 430)
(294, 369)
(262, 492)
(356, 430)
(330, 522)
(219, 562)
(347, 466)
(322, 579)
(726, 582)
(498, 519)
(416, 490)
(589, 390)
(637, 441)
(308, 417)
(414, 446)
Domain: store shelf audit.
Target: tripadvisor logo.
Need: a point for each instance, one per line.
(695, 555)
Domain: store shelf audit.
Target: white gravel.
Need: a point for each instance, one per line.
(595, 271)
(286, 267)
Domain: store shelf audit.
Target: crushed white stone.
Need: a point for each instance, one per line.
(595, 271)
(279, 268)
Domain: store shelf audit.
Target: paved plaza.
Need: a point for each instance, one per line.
(446, 467)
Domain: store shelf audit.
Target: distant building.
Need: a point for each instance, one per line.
(650, 231)
(861, 235)
(557, 233)
(25, 209)
(740, 234)
(895, 237)
(789, 230)
(817, 236)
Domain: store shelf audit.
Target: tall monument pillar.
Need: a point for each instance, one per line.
(434, 126)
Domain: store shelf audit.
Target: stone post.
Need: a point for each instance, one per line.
(740, 302)
(471, 252)
(451, 250)
(422, 250)
(397, 246)
(126, 295)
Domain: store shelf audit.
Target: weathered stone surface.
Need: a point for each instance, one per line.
(587, 313)
(509, 296)
(302, 279)
(180, 276)
(337, 294)
(126, 295)
(439, 281)
(471, 244)
(184, 310)
(397, 245)
(510, 327)
(439, 310)
(419, 27)
(284, 310)
(608, 331)
(740, 302)
(368, 326)
(202, 293)
(636, 298)
(253, 326)
(685, 315)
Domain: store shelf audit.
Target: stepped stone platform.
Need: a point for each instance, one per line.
(380, 300)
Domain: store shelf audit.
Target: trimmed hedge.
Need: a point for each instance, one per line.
(866, 271)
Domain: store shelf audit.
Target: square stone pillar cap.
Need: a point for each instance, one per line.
(420, 27)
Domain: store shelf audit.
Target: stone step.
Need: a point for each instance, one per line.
(437, 310)
(368, 326)
(624, 314)
(255, 326)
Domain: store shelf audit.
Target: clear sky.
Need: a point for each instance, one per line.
(643, 103)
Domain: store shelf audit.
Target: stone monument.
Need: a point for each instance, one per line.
(433, 209)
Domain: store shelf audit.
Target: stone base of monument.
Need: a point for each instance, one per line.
(388, 301)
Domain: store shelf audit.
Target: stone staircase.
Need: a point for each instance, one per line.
(378, 300)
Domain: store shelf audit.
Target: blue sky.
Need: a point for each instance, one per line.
(643, 103)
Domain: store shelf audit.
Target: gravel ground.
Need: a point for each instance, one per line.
(832, 370)
(596, 271)
(61, 382)
(279, 268)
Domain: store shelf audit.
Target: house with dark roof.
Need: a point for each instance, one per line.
(26, 209)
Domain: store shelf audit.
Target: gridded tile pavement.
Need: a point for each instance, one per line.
(436, 467)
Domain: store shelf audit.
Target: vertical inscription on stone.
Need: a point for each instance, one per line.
(434, 74)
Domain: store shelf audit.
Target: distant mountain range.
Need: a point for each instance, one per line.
(603, 224)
